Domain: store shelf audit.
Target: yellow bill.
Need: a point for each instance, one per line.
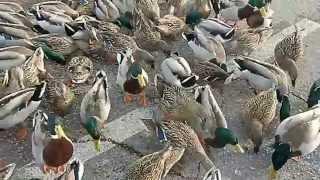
(97, 145)
(141, 80)
(61, 133)
(273, 174)
(239, 149)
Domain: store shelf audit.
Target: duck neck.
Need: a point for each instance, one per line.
(285, 108)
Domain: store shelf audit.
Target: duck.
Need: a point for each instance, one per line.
(58, 150)
(80, 69)
(55, 46)
(49, 21)
(314, 94)
(33, 68)
(146, 35)
(298, 135)
(15, 18)
(106, 45)
(15, 31)
(218, 29)
(245, 41)
(17, 106)
(262, 76)
(9, 58)
(205, 48)
(209, 72)
(150, 8)
(60, 96)
(56, 6)
(217, 124)
(95, 108)
(11, 7)
(7, 171)
(156, 165)
(131, 77)
(125, 6)
(179, 134)
(171, 27)
(180, 8)
(289, 51)
(106, 10)
(259, 112)
(176, 71)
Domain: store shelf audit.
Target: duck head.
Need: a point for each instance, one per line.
(223, 137)
(193, 18)
(94, 131)
(135, 71)
(280, 156)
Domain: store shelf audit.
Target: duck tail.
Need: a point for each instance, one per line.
(39, 92)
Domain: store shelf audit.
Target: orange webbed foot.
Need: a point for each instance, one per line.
(128, 98)
(22, 134)
(143, 100)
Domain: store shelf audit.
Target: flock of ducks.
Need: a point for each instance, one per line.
(188, 118)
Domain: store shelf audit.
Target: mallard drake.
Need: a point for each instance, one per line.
(58, 150)
(15, 18)
(55, 46)
(259, 113)
(17, 106)
(15, 31)
(95, 108)
(154, 166)
(217, 124)
(150, 8)
(80, 69)
(263, 76)
(44, 142)
(9, 59)
(205, 48)
(33, 68)
(56, 6)
(171, 27)
(53, 21)
(297, 135)
(106, 10)
(131, 77)
(146, 35)
(288, 52)
(60, 96)
(217, 28)
(108, 44)
(7, 171)
(11, 7)
(176, 71)
(314, 94)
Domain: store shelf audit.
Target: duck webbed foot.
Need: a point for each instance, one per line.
(127, 98)
(143, 100)
(22, 134)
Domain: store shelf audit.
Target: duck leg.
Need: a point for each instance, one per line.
(127, 98)
(143, 100)
(22, 133)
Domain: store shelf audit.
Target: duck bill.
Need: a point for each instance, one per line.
(61, 133)
(239, 149)
(97, 145)
(141, 80)
(273, 174)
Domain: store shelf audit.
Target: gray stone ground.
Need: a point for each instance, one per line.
(112, 163)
